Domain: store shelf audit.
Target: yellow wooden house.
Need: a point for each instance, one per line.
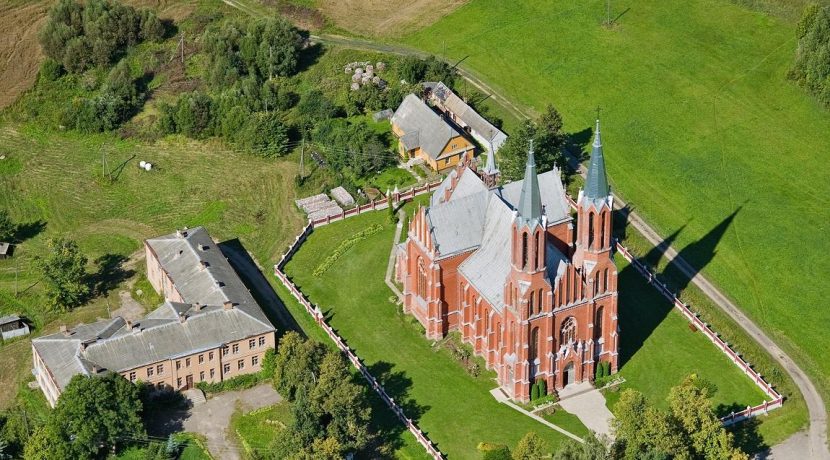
(423, 133)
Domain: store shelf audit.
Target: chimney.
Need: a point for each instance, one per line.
(178, 233)
(228, 305)
(197, 306)
(182, 317)
(65, 330)
(95, 369)
(203, 264)
(129, 325)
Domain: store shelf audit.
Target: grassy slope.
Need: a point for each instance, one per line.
(659, 347)
(699, 121)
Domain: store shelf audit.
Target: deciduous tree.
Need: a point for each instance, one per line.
(531, 447)
(93, 415)
(64, 273)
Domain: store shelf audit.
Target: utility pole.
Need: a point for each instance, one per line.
(302, 154)
(608, 13)
(16, 271)
(181, 44)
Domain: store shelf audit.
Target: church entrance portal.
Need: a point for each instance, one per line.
(568, 378)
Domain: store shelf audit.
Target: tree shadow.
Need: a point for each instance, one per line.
(309, 56)
(116, 172)
(643, 307)
(110, 274)
(384, 421)
(258, 284)
(28, 230)
(748, 439)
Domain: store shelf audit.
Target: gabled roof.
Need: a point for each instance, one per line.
(467, 115)
(213, 282)
(202, 276)
(478, 219)
(422, 127)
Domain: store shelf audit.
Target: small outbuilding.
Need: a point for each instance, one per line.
(5, 250)
(13, 326)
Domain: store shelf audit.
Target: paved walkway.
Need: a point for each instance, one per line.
(212, 418)
(390, 267)
(588, 404)
(796, 447)
(502, 398)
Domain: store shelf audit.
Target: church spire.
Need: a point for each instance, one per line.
(530, 202)
(491, 168)
(596, 184)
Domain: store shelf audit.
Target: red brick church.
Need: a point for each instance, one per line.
(532, 291)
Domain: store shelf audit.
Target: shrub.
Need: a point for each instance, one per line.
(534, 392)
(240, 382)
(543, 387)
(492, 451)
(50, 70)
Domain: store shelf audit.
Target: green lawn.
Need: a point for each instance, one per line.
(658, 349)
(658, 346)
(257, 429)
(453, 408)
(698, 121)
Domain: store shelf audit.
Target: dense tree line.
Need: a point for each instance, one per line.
(259, 49)
(416, 70)
(331, 411)
(198, 115)
(354, 149)
(548, 140)
(116, 102)
(812, 59)
(95, 33)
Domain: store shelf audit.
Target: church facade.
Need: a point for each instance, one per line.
(530, 288)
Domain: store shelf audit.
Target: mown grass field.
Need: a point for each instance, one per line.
(658, 347)
(698, 121)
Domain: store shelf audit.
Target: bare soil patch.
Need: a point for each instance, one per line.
(386, 18)
(20, 53)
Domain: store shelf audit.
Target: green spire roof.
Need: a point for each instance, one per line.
(596, 184)
(530, 202)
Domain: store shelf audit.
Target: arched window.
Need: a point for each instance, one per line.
(605, 281)
(524, 251)
(596, 283)
(568, 332)
(536, 251)
(541, 303)
(598, 323)
(602, 231)
(422, 279)
(534, 344)
(590, 230)
(531, 307)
